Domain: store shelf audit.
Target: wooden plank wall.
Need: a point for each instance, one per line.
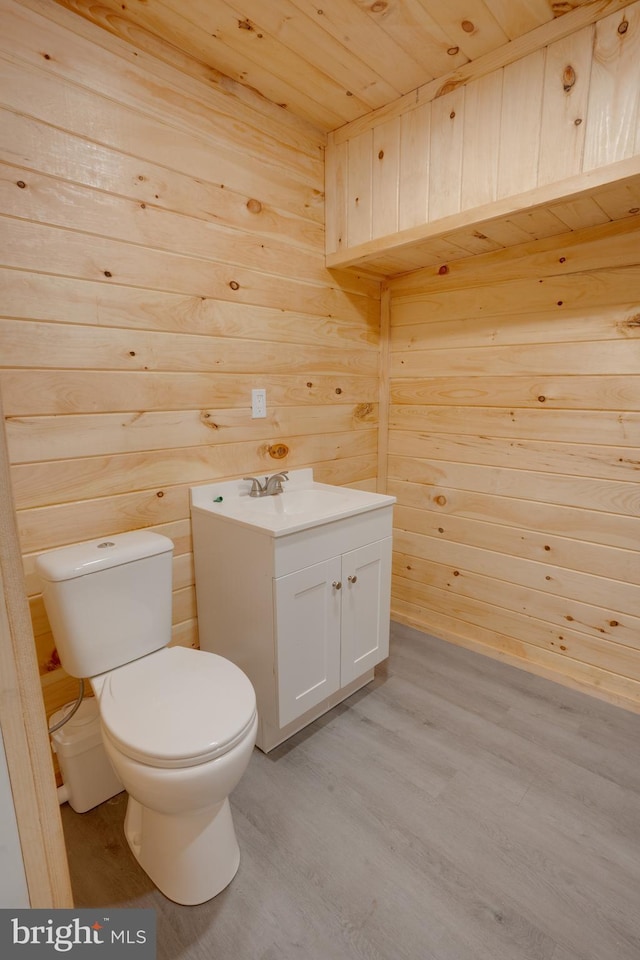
(514, 454)
(163, 253)
(566, 109)
(24, 743)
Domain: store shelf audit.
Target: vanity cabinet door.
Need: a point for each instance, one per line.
(307, 621)
(366, 577)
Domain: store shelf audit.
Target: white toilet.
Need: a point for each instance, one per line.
(179, 725)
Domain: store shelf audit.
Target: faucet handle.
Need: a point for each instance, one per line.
(273, 484)
(256, 486)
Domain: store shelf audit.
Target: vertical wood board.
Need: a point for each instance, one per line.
(613, 124)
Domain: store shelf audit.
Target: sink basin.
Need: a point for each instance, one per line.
(302, 504)
(298, 502)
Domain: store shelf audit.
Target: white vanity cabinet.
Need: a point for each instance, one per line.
(331, 625)
(302, 608)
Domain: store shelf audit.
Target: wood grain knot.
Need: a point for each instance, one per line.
(254, 206)
(444, 269)
(278, 451)
(447, 87)
(452, 51)
(468, 26)
(379, 6)
(623, 26)
(234, 284)
(380, 154)
(205, 418)
(21, 184)
(440, 500)
(568, 78)
(363, 411)
(54, 661)
(630, 323)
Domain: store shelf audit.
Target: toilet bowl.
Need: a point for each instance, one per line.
(179, 725)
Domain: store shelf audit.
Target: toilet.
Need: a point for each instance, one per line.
(179, 725)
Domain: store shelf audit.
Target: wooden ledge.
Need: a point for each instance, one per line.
(601, 195)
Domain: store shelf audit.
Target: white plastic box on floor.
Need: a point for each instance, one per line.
(89, 778)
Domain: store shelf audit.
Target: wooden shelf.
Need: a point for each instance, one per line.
(598, 196)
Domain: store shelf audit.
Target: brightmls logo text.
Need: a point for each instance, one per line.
(99, 934)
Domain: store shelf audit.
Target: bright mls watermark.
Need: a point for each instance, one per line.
(100, 934)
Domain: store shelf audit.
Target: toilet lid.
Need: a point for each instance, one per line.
(177, 707)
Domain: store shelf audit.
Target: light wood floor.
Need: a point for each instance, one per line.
(455, 809)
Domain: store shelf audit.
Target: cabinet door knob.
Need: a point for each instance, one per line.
(352, 579)
(337, 585)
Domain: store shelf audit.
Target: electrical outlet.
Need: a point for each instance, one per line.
(258, 404)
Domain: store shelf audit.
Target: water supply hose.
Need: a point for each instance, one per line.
(75, 706)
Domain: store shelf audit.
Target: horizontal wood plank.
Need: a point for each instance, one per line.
(61, 438)
(527, 543)
(619, 600)
(30, 296)
(439, 503)
(41, 392)
(610, 428)
(577, 640)
(580, 460)
(71, 346)
(64, 481)
(594, 393)
(610, 496)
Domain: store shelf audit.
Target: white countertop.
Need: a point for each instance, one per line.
(303, 504)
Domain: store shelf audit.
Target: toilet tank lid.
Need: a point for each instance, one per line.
(81, 559)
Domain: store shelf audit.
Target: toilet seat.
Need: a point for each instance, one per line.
(177, 707)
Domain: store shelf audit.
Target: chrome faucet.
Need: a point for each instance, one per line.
(271, 486)
(257, 490)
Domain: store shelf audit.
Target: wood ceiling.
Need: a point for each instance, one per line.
(332, 61)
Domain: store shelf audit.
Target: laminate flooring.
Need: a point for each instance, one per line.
(457, 808)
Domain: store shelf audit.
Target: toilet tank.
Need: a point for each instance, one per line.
(108, 601)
